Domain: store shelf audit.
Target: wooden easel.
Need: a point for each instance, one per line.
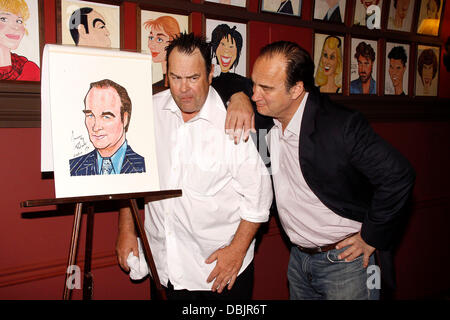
(80, 202)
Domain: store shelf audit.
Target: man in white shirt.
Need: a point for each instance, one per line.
(207, 235)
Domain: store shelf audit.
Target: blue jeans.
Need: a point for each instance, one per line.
(322, 276)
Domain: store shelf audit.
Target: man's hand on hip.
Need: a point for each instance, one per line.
(356, 247)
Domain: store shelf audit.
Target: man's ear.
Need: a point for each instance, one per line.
(297, 90)
(211, 74)
(126, 119)
(81, 30)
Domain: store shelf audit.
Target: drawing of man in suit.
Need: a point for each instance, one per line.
(107, 117)
(333, 13)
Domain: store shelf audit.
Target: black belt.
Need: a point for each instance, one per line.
(315, 250)
(321, 249)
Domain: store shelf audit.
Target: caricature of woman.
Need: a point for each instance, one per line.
(13, 14)
(329, 72)
(162, 30)
(430, 24)
(427, 66)
(226, 46)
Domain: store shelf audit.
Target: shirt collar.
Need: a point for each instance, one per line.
(116, 159)
(210, 110)
(331, 10)
(294, 125)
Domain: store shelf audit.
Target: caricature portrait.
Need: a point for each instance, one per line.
(427, 71)
(228, 46)
(397, 62)
(238, 3)
(291, 7)
(328, 60)
(107, 117)
(361, 7)
(400, 15)
(157, 30)
(88, 28)
(429, 17)
(90, 24)
(19, 40)
(330, 10)
(363, 67)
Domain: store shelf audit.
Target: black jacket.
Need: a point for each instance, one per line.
(352, 170)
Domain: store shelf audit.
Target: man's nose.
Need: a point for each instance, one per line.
(184, 87)
(97, 125)
(256, 96)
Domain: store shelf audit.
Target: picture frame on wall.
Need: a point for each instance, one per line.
(236, 3)
(397, 62)
(365, 15)
(329, 62)
(401, 15)
(363, 66)
(430, 15)
(289, 7)
(427, 70)
(229, 47)
(332, 11)
(22, 40)
(155, 30)
(102, 21)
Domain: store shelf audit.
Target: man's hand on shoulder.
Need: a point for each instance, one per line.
(240, 118)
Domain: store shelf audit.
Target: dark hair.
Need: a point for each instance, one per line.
(223, 31)
(398, 53)
(78, 17)
(187, 43)
(427, 57)
(299, 65)
(365, 50)
(121, 91)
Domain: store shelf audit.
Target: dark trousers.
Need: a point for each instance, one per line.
(241, 290)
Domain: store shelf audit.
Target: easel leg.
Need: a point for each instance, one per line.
(88, 281)
(147, 250)
(73, 248)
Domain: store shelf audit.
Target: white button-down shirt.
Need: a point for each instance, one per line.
(221, 182)
(305, 219)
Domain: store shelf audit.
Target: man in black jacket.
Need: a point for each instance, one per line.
(339, 187)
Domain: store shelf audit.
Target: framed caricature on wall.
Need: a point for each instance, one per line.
(401, 15)
(396, 69)
(156, 30)
(229, 46)
(20, 41)
(329, 62)
(430, 17)
(361, 16)
(427, 70)
(330, 10)
(290, 7)
(363, 67)
(89, 24)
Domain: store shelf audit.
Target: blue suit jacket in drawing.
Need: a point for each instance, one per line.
(86, 165)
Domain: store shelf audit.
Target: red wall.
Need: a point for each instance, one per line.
(34, 244)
